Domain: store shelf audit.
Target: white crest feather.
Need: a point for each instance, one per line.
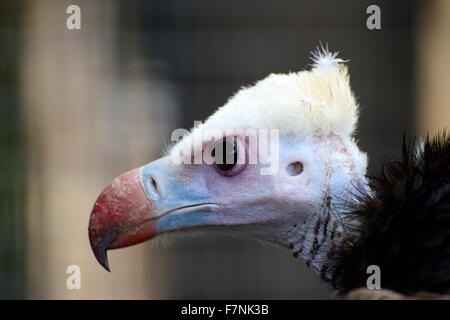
(306, 103)
(323, 59)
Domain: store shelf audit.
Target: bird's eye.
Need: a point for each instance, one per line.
(226, 156)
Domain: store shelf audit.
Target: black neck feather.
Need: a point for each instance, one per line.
(404, 227)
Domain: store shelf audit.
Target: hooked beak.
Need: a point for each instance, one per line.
(140, 204)
(122, 216)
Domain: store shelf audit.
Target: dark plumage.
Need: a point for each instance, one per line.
(404, 226)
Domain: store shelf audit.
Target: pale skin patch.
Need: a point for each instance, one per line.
(313, 241)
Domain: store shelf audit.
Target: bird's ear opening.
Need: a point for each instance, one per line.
(295, 168)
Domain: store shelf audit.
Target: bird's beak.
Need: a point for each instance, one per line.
(140, 204)
(122, 216)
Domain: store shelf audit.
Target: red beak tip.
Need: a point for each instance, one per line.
(121, 217)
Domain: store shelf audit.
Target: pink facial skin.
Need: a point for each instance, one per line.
(164, 197)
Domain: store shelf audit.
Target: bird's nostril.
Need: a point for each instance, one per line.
(154, 186)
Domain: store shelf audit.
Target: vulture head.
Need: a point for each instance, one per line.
(276, 163)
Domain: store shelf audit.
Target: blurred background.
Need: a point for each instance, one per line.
(79, 107)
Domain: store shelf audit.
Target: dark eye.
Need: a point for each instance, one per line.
(225, 155)
(229, 156)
